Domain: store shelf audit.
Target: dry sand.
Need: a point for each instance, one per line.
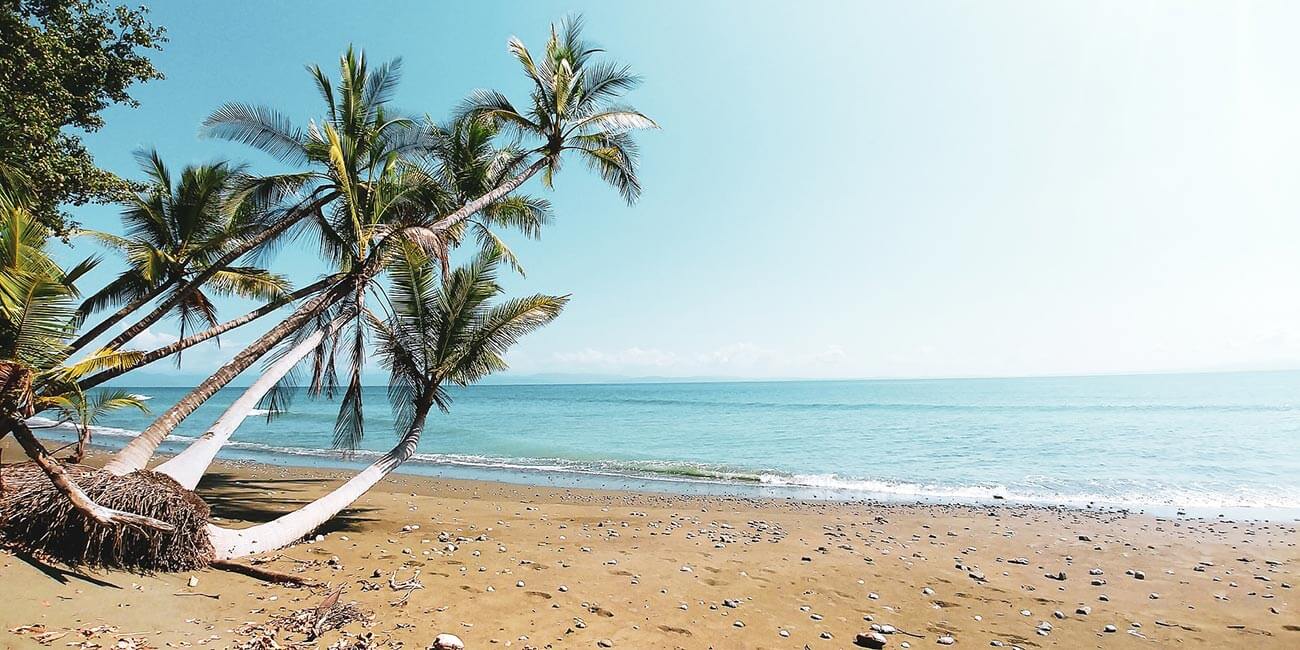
(525, 567)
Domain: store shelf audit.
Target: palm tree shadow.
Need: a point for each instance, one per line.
(61, 575)
(259, 500)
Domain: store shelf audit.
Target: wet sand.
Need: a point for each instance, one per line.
(526, 567)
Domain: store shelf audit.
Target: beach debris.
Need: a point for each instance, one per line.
(409, 585)
(873, 640)
(194, 581)
(447, 642)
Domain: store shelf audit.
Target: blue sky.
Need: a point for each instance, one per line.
(846, 189)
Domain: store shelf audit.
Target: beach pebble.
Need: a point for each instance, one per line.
(1109, 629)
(1083, 611)
(870, 640)
(739, 624)
(784, 634)
(447, 642)
(945, 640)
(605, 643)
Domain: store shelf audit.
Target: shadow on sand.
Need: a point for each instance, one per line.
(60, 574)
(258, 500)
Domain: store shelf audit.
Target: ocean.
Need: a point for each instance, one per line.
(1205, 444)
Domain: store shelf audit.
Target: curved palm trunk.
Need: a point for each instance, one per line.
(210, 333)
(285, 530)
(189, 466)
(466, 211)
(206, 274)
(118, 316)
(136, 454)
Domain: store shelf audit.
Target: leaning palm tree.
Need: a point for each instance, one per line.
(571, 113)
(175, 229)
(436, 332)
(37, 313)
(353, 188)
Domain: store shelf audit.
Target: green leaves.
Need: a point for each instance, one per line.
(571, 109)
(449, 330)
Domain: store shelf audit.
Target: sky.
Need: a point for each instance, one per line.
(840, 190)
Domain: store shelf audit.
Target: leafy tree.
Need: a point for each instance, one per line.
(62, 62)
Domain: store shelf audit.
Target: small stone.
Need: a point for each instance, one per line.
(1083, 611)
(826, 635)
(873, 640)
(927, 591)
(739, 624)
(731, 602)
(194, 581)
(447, 642)
(1109, 629)
(605, 643)
(945, 640)
(784, 634)
(1058, 614)
(1139, 575)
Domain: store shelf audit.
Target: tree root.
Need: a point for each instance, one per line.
(261, 574)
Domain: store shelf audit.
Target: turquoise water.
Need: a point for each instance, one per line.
(1197, 441)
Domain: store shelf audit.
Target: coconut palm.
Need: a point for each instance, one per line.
(361, 190)
(37, 314)
(85, 409)
(467, 161)
(572, 110)
(174, 231)
(437, 331)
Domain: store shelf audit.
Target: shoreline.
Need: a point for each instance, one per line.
(685, 484)
(642, 569)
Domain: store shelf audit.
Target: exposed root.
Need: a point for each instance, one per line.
(260, 573)
(37, 517)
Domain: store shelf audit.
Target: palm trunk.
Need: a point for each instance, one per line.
(136, 454)
(197, 281)
(83, 441)
(117, 316)
(466, 211)
(190, 341)
(285, 530)
(100, 514)
(189, 466)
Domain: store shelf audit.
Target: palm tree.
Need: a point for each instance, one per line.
(174, 231)
(357, 142)
(37, 314)
(358, 189)
(437, 331)
(87, 409)
(467, 161)
(571, 109)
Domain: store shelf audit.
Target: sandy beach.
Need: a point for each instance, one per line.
(525, 567)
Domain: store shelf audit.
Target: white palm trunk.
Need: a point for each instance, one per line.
(285, 530)
(189, 466)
